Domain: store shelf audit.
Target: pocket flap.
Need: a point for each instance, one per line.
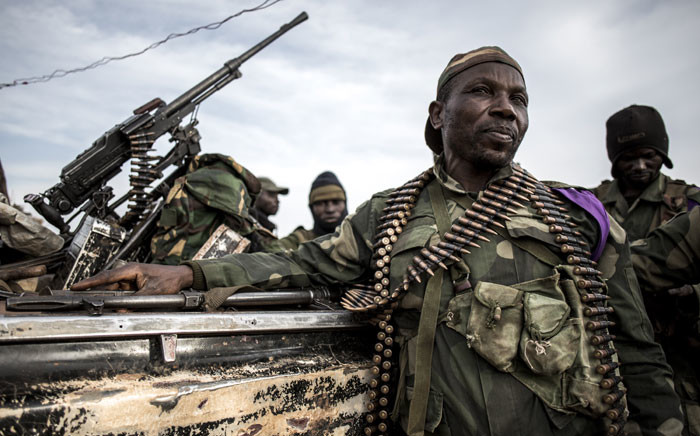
(544, 316)
(494, 295)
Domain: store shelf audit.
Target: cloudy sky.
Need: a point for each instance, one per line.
(347, 90)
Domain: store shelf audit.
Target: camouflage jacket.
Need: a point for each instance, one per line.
(468, 395)
(661, 200)
(292, 240)
(214, 191)
(670, 255)
(24, 233)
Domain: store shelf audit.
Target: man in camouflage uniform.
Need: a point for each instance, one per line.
(668, 258)
(328, 204)
(215, 190)
(450, 382)
(670, 255)
(267, 203)
(641, 198)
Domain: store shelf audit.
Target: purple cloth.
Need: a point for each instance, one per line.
(691, 204)
(588, 202)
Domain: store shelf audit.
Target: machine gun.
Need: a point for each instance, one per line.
(83, 181)
(83, 184)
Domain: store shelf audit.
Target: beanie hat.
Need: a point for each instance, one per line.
(326, 187)
(457, 64)
(636, 127)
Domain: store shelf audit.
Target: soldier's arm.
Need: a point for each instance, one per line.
(653, 404)
(670, 255)
(339, 257)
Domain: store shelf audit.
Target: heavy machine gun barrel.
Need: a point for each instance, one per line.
(84, 179)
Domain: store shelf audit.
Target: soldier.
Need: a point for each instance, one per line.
(22, 237)
(328, 204)
(668, 258)
(502, 324)
(670, 255)
(641, 198)
(267, 203)
(215, 190)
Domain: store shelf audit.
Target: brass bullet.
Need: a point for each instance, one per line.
(607, 367)
(599, 325)
(459, 240)
(601, 339)
(453, 248)
(587, 284)
(612, 397)
(580, 270)
(489, 211)
(609, 383)
(475, 225)
(467, 232)
(615, 413)
(604, 352)
(589, 298)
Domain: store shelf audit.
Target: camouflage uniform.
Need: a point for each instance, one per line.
(25, 234)
(674, 318)
(670, 257)
(23, 237)
(215, 191)
(661, 200)
(467, 394)
(292, 240)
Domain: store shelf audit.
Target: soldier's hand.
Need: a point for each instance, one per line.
(683, 291)
(146, 279)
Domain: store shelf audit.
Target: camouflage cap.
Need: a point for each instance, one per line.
(457, 64)
(267, 184)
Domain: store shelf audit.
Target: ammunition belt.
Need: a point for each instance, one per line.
(496, 201)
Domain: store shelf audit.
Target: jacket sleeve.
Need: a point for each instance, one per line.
(339, 257)
(670, 255)
(653, 404)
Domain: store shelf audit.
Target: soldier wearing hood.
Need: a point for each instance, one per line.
(328, 204)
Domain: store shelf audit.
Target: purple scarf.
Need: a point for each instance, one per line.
(588, 202)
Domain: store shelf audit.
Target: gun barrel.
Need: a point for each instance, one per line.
(67, 300)
(229, 68)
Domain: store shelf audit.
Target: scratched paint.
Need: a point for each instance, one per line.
(303, 395)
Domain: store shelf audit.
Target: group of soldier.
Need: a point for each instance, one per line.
(513, 304)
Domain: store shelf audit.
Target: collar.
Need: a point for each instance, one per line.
(654, 192)
(453, 185)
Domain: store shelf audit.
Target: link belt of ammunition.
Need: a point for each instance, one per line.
(496, 201)
(142, 174)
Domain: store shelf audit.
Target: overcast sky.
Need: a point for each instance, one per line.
(348, 90)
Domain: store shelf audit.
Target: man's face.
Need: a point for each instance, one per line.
(328, 212)
(637, 168)
(267, 202)
(484, 116)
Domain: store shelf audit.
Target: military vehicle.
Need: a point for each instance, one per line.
(287, 362)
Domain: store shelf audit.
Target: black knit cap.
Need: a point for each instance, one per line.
(326, 187)
(636, 127)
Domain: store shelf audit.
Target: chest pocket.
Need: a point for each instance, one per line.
(530, 320)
